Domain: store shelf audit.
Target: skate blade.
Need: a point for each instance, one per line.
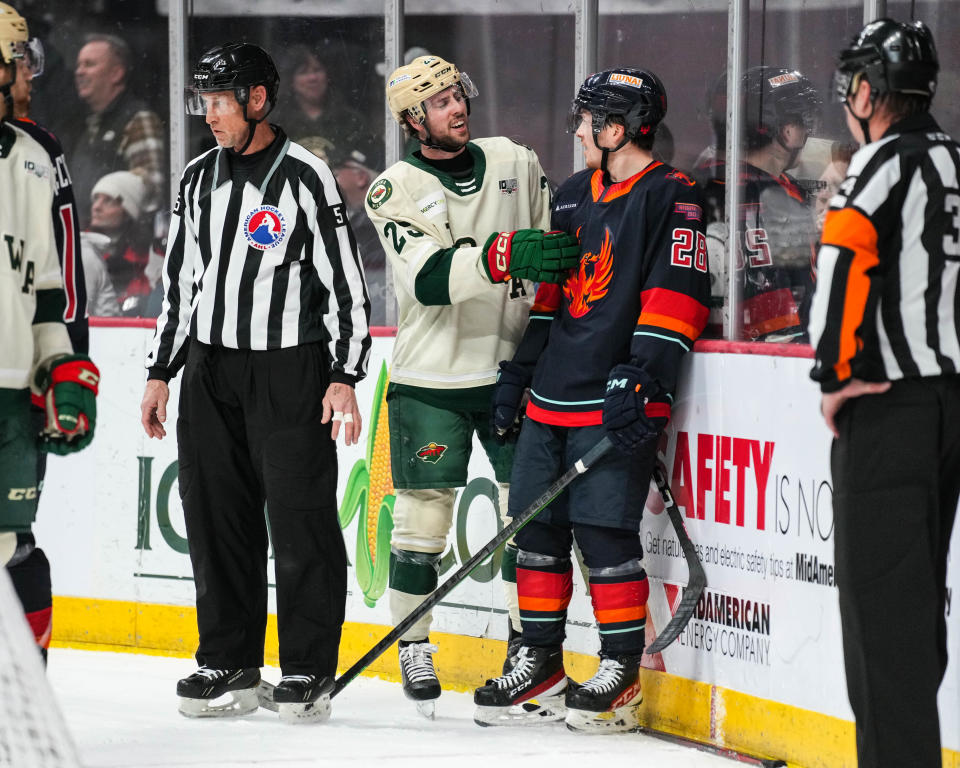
(428, 708)
(312, 712)
(548, 709)
(231, 704)
(265, 696)
(625, 718)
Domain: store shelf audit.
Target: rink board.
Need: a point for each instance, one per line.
(759, 668)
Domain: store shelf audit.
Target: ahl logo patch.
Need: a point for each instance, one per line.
(379, 193)
(265, 227)
(509, 186)
(431, 453)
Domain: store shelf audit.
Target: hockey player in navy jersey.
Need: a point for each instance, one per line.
(600, 356)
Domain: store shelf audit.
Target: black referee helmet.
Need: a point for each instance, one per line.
(236, 67)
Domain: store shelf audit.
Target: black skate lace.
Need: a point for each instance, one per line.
(520, 670)
(417, 661)
(607, 678)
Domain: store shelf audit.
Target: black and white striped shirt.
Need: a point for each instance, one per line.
(262, 258)
(887, 300)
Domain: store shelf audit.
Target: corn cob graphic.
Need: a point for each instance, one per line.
(369, 491)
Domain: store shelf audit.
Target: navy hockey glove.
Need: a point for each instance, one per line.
(635, 410)
(507, 412)
(530, 254)
(69, 385)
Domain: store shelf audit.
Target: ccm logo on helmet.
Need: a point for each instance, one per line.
(631, 80)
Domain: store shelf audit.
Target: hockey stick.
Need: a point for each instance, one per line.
(581, 466)
(697, 578)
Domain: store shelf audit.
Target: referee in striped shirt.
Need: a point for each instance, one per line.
(266, 310)
(884, 325)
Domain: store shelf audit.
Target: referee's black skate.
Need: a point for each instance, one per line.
(609, 701)
(419, 677)
(532, 692)
(303, 698)
(219, 692)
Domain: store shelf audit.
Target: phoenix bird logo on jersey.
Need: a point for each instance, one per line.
(265, 227)
(590, 282)
(432, 453)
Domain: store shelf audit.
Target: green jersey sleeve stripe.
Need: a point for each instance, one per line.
(432, 283)
(51, 303)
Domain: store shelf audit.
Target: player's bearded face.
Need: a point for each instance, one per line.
(447, 119)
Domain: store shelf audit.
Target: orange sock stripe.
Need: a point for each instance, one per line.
(539, 604)
(614, 615)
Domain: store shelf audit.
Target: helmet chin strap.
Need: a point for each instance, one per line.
(605, 152)
(864, 122)
(6, 91)
(252, 124)
(428, 141)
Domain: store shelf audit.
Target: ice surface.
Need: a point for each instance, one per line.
(122, 712)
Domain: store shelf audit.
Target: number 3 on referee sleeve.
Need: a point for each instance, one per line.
(684, 253)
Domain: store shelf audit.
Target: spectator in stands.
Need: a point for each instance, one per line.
(101, 297)
(314, 108)
(122, 133)
(116, 207)
(354, 175)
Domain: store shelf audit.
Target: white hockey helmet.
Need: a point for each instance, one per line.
(412, 84)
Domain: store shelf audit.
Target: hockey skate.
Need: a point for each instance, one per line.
(420, 681)
(531, 693)
(303, 698)
(608, 701)
(219, 692)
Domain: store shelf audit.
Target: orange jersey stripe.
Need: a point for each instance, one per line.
(620, 188)
(670, 324)
(849, 228)
(614, 615)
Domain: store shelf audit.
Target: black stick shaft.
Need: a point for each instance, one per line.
(581, 466)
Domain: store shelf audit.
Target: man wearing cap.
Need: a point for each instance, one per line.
(265, 309)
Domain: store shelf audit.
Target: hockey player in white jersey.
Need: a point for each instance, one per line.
(462, 223)
(35, 351)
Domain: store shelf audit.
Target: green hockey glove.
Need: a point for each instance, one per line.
(530, 254)
(69, 385)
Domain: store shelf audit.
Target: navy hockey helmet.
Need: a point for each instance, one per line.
(635, 95)
(776, 97)
(236, 67)
(892, 57)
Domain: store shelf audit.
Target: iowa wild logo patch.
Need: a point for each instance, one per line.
(265, 227)
(379, 193)
(431, 453)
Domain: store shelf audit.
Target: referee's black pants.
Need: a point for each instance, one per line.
(896, 473)
(249, 433)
